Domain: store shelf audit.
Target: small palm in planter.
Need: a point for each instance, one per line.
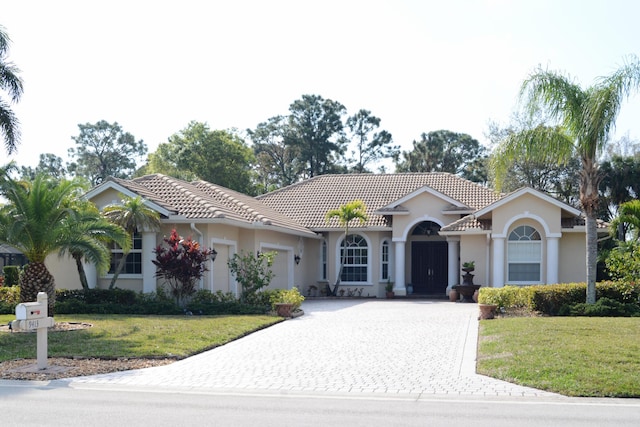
(389, 290)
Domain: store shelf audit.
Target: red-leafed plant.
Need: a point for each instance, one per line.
(181, 263)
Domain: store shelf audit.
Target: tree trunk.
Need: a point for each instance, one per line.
(589, 180)
(119, 268)
(36, 278)
(81, 273)
(592, 257)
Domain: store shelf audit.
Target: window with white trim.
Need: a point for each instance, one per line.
(133, 264)
(324, 261)
(385, 264)
(355, 255)
(524, 255)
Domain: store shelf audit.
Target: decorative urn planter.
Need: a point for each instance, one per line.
(487, 311)
(284, 309)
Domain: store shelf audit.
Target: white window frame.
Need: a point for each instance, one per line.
(367, 265)
(115, 249)
(524, 247)
(385, 244)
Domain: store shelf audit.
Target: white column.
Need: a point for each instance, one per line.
(552, 260)
(453, 245)
(92, 274)
(498, 262)
(399, 287)
(148, 269)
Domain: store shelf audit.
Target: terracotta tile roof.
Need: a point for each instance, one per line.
(307, 202)
(202, 200)
(467, 223)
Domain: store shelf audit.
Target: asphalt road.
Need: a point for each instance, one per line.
(60, 404)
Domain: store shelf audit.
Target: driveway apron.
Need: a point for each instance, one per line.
(397, 347)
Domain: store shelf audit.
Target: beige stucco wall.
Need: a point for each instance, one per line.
(424, 207)
(526, 206)
(64, 271)
(474, 248)
(572, 255)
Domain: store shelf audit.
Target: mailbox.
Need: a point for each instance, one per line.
(31, 311)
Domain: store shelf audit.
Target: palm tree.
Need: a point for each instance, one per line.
(132, 215)
(355, 209)
(583, 121)
(628, 219)
(37, 220)
(85, 218)
(12, 84)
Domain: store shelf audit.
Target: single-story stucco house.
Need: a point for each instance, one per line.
(421, 227)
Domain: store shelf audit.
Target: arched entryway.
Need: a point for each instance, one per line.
(429, 259)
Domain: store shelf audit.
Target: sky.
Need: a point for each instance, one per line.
(420, 66)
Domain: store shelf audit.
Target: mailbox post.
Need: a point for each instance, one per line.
(33, 315)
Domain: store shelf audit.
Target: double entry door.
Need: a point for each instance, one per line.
(429, 270)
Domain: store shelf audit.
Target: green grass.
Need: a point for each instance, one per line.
(116, 336)
(574, 356)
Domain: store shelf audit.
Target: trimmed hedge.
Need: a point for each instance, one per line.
(122, 301)
(554, 299)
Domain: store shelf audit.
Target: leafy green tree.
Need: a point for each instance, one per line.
(253, 272)
(440, 151)
(49, 164)
(370, 146)
(103, 149)
(217, 156)
(39, 220)
(354, 210)
(623, 262)
(11, 83)
(317, 131)
(133, 216)
(277, 164)
(584, 119)
(181, 262)
(619, 184)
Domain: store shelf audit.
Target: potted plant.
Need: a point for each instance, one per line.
(468, 266)
(488, 305)
(389, 289)
(285, 302)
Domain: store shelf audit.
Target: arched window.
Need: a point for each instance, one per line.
(355, 255)
(385, 261)
(524, 254)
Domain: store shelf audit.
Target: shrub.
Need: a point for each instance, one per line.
(507, 297)
(548, 299)
(253, 272)
(9, 298)
(11, 275)
(181, 263)
(604, 307)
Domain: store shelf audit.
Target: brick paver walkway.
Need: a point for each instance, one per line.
(397, 347)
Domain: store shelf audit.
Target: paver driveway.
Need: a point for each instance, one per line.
(342, 346)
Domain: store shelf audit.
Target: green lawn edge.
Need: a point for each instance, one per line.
(573, 356)
(127, 336)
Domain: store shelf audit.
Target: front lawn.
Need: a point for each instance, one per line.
(574, 356)
(114, 336)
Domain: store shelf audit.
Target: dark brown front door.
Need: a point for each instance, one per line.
(429, 267)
